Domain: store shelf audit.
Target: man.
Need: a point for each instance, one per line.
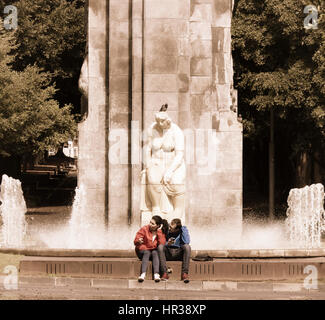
(176, 248)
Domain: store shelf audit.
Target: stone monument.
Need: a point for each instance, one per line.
(142, 54)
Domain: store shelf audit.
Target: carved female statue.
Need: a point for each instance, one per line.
(165, 169)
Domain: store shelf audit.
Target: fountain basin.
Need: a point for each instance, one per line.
(243, 269)
(233, 253)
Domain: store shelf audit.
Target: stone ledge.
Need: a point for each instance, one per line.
(224, 253)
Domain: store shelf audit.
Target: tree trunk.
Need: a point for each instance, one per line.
(303, 170)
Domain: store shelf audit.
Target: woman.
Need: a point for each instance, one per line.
(164, 165)
(146, 242)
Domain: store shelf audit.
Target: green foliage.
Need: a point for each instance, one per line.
(279, 64)
(31, 121)
(52, 35)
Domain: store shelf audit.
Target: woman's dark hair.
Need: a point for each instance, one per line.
(159, 220)
(178, 223)
(165, 226)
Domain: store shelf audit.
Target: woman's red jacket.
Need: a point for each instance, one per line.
(148, 244)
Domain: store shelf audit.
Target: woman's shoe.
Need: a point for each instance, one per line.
(156, 277)
(141, 278)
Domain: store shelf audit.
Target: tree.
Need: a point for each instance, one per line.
(31, 121)
(279, 64)
(52, 35)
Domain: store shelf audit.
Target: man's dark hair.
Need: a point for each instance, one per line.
(178, 223)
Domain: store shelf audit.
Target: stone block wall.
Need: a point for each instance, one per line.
(166, 56)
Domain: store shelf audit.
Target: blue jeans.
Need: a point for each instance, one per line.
(145, 256)
(173, 254)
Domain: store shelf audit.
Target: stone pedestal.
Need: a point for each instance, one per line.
(143, 53)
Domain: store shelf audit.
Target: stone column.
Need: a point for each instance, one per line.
(215, 189)
(227, 180)
(119, 112)
(137, 107)
(92, 131)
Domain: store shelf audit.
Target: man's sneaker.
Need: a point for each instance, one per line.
(165, 277)
(185, 277)
(141, 278)
(156, 277)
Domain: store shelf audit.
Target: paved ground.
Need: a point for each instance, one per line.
(37, 293)
(79, 292)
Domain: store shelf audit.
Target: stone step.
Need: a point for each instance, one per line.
(218, 269)
(194, 285)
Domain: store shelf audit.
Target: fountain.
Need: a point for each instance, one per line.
(12, 209)
(86, 232)
(305, 216)
(302, 228)
(176, 52)
(82, 229)
(104, 252)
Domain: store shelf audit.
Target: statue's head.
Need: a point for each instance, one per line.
(162, 118)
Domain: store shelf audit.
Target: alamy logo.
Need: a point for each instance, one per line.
(11, 20)
(310, 22)
(10, 281)
(311, 281)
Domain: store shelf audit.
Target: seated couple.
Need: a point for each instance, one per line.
(160, 242)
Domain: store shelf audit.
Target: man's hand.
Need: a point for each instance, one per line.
(171, 241)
